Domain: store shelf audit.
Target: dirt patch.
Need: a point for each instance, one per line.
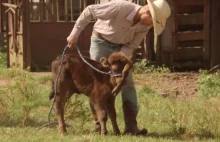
(39, 74)
(170, 83)
(4, 82)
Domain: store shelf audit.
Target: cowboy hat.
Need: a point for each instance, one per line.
(160, 11)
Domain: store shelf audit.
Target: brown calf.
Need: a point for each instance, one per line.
(78, 77)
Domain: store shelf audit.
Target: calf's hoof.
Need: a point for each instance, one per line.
(142, 132)
(104, 133)
(62, 131)
(117, 132)
(95, 132)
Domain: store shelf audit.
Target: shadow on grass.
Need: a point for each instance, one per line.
(27, 123)
(176, 136)
(39, 125)
(169, 135)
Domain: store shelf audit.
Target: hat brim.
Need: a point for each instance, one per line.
(158, 27)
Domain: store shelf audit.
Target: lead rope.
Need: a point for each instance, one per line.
(109, 73)
(56, 82)
(55, 88)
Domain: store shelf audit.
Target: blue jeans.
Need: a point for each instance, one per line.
(101, 48)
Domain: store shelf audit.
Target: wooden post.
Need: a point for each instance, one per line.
(12, 62)
(41, 4)
(19, 37)
(206, 29)
(215, 32)
(1, 18)
(26, 35)
(31, 9)
(72, 11)
(57, 10)
(157, 48)
(66, 5)
(149, 46)
(168, 38)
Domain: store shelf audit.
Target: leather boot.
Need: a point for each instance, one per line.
(131, 122)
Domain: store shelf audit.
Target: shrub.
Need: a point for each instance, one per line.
(209, 85)
(144, 66)
(3, 60)
(22, 95)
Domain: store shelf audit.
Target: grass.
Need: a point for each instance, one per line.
(24, 107)
(3, 63)
(2, 60)
(209, 85)
(145, 66)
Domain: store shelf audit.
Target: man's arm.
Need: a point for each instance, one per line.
(104, 11)
(129, 48)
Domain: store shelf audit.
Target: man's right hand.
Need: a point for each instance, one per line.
(72, 41)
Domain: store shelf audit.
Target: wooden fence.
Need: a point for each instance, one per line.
(37, 30)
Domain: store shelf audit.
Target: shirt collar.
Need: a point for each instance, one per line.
(131, 15)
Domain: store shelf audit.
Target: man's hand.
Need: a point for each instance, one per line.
(72, 41)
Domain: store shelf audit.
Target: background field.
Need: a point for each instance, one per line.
(173, 107)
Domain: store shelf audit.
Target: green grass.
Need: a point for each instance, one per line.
(209, 85)
(3, 60)
(3, 64)
(145, 66)
(24, 107)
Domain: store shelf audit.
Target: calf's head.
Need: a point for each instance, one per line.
(119, 66)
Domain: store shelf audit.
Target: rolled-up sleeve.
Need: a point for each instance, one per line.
(104, 11)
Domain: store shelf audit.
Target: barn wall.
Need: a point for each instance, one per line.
(49, 39)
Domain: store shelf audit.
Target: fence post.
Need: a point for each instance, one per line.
(26, 35)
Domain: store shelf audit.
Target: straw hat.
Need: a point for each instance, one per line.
(160, 11)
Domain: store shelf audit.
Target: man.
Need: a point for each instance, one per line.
(121, 26)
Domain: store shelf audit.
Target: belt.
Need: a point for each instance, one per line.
(94, 32)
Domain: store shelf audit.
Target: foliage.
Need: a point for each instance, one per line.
(21, 95)
(145, 66)
(45, 79)
(209, 85)
(26, 93)
(24, 102)
(76, 108)
(180, 117)
(3, 60)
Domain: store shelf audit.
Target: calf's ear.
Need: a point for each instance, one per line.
(104, 62)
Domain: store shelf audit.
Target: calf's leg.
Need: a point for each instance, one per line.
(112, 115)
(102, 117)
(60, 114)
(97, 124)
